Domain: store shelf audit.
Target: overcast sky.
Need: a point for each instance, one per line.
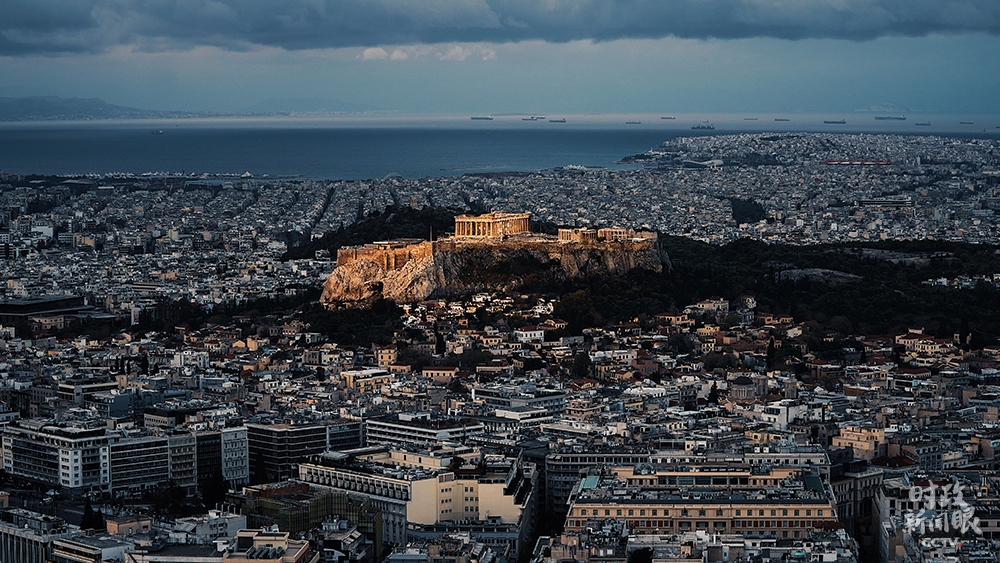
(493, 56)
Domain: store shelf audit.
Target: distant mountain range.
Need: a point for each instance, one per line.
(885, 108)
(53, 108)
(310, 105)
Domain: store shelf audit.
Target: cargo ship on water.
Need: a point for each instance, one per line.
(482, 118)
(890, 118)
(560, 120)
(835, 121)
(781, 119)
(667, 117)
(633, 123)
(924, 124)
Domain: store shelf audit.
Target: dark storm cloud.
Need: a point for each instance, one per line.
(59, 26)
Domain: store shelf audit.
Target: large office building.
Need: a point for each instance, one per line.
(782, 502)
(235, 455)
(13, 311)
(85, 456)
(223, 450)
(420, 429)
(420, 496)
(70, 456)
(563, 467)
(28, 537)
(140, 460)
(531, 396)
(78, 391)
(209, 449)
(277, 449)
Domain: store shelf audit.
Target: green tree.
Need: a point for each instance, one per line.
(259, 474)
(644, 555)
(713, 394)
(439, 345)
(213, 490)
(91, 520)
(581, 365)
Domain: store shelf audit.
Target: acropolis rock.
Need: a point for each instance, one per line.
(413, 270)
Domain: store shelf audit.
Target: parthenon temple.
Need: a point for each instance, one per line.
(492, 224)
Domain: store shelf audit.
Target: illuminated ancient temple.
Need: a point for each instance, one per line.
(492, 224)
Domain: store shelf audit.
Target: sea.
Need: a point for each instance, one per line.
(377, 146)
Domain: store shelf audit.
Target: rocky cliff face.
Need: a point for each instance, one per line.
(472, 267)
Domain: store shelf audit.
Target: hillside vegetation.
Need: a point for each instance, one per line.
(881, 293)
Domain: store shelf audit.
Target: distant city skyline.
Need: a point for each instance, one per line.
(492, 56)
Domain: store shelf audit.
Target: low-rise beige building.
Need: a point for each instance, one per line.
(868, 442)
(424, 494)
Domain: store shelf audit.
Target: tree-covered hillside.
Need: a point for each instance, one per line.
(881, 292)
(392, 223)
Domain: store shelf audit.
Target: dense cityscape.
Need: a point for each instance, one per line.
(173, 392)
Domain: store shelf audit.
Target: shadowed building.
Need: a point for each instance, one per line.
(27, 537)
